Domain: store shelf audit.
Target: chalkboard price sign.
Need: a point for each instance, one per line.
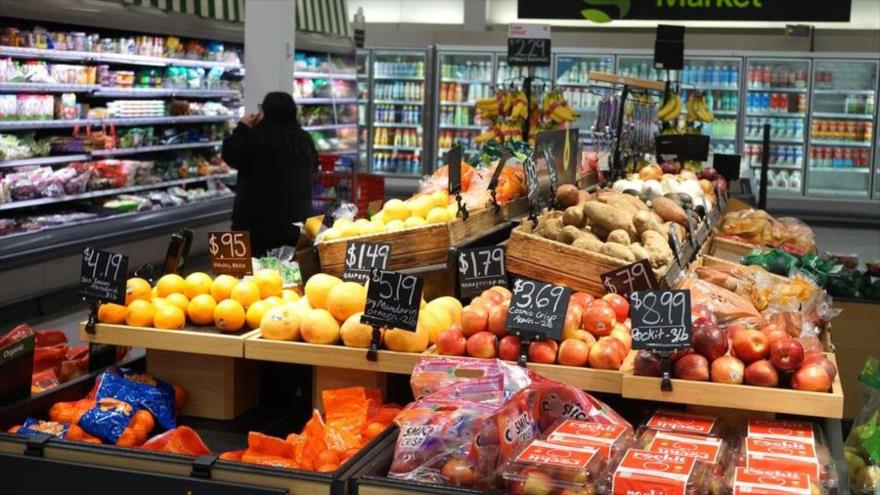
(480, 268)
(453, 161)
(630, 278)
(661, 319)
(538, 309)
(393, 300)
(230, 253)
(362, 257)
(103, 276)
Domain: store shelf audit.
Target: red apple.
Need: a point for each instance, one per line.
(787, 354)
(599, 318)
(733, 330)
(774, 333)
(509, 348)
(709, 340)
(582, 298)
(819, 357)
(607, 353)
(474, 319)
(494, 296)
(543, 351)
(451, 342)
(576, 311)
(622, 334)
(761, 373)
(619, 304)
(504, 291)
(675, 356)
(481, 345)
(727, 369)
(572, 322)
(497, 322)
(574, 352)
(692, 367)
(458, 472)
(750, 345)
(647, 363)
(482, 302)
(812, 378)
(700, 311)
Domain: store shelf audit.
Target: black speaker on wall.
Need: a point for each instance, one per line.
(669, 47)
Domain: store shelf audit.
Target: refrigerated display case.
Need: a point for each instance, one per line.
(640, 67)
(505, 74)
(842, 128)
(363, 106)
(465, 77)
(398, 96)
(719, 80)
(325, 90)
(572, 77)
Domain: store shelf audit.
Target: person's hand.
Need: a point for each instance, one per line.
(252, 119)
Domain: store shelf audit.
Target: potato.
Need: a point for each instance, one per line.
(567, 195)
(645, 220)
(618, 251)
(669, 211)
(659, 252)
(574, 215)
(634, 202)
(623, 205)
(639, 251)
(526, 226)
(569, 234)
(619, 236)
(588, 243)
(609, 217)
(554, 229)
(600, 232)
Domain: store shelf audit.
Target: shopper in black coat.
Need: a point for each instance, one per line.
(275, 158)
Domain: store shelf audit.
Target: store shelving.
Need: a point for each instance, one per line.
(107, 57)
(10, 125)
(43, 160)
(364, 106)
(464, 78)
(843, 116)
(29, 87)
(840, 143)
(399, 102)
(324, 101)
(164, 92)
(777, 115)
(328, 127)
(155, 148)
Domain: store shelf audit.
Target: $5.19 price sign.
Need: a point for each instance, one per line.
(630, 278)
(661, 319)
(362, 257)
(480, 268)
(538, 309)
(393, 300)
(103, 276)
(230, 253)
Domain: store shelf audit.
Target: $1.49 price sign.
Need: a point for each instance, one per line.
(362, 257)
(393, 300)
(480, 268)
(661, 319)
(538, 309)
(103, 276)
(230, 253)
(630, 278)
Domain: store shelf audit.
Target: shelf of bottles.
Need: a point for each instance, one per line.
(363, 98)
(719, 81)
(842, 128)
(573, 79)
(506, 75)
(325, 88)
(398, 101)
(464, 79)
(777, 94)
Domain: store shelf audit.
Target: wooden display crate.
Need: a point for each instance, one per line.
(729, 249)
(425, 245)
(197, 340)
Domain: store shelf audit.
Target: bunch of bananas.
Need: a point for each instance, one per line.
(519, 109)
(501, 132)
(697, 110)
(671, 108)
(556, 108)
(498, 105)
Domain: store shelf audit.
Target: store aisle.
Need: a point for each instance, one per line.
(864, 242)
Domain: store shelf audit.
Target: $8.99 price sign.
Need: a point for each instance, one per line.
(538, 309)
(103, 276)
(230, 253)
(661, 319)
(393, 300)
(362, 257)
(480, 268)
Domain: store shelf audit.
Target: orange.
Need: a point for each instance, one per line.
(255, 313)
(269, 282)
(169, 317)
(229, 316)
(158, 301)
(201, 309)
(111, 313)
(178, 300)
(222, 287)
(289, 295)
(246, 293)
(197, 283)
(273, 301)
(139, 313)
(318, 287)
(137, 288)
(169, 284)
(154, 293)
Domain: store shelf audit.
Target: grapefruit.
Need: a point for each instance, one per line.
(319, 327)
(356, 334)
(281, 323)
(346, 299)
(318, 288)
(137, 288)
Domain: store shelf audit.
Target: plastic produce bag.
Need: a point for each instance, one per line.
(432, 374)
(726, 305)
(862, 448)
(772, 260)
(182, 440)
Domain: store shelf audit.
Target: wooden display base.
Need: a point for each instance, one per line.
(196, 340)
(856, 340)
(729, 249)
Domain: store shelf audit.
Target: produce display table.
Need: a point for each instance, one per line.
(857, 338)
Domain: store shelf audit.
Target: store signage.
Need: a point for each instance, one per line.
(230, 253)
(528, 45)
(362, 257)
(687, 10)
(16, 368)
(537, 310)
(630, 278)
(562, 148)
(727, 165)
(393, 300)
(479, 269)
(661, 319)
(684, 146)
(453, 163)
(493, 183)
(103, 276)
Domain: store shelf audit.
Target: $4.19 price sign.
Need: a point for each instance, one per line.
(103, 276)
(362, 257)
(230, 253)
(393, 300)
(480, 268)
(630, 278)
(661, 319)
(538, 309)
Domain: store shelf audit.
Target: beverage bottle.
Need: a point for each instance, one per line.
(733, 76)
(767, 77)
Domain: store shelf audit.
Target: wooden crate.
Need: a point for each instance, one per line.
(729, 249)
(425, 245)
(196, 340)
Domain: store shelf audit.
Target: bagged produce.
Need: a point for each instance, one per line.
(432, 374)
(182, 440)
(862, 447)
(726, 305)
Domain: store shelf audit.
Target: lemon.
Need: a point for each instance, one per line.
(420, 206)
(374, 228)
(394, 225)
(379, 217)
(341, 222)
(452, 209)
(438, 215)
(396, 209)
(440, 198)
(414, 222)
(331, 234)
(348, 230)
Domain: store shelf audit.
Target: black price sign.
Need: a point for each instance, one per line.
(533, 191)
(675, 244)
(661, 319)
(103, 275)
(493, 183)
(693, 230)
(538, 309)
(721, 198)
(453, 161)
(230, 253)
(480, 268)
(559, 148)
(393, 300)
(362, 257)
(528, 45)
(684, 146)
(16, 368)
(630, 278)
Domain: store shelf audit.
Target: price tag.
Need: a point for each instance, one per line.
(528, 44)
(721, 197)
(534, 194)
(230, 253)
(675, 244)
(16, 368)
(538, 309)
(178, 251)
(693, 230)
(493, 183)
(479, 269)
(559, 148)
(393, 300)
(453, 161)
(630, 278)
(661, 319)
(103, 276)
(362, 257)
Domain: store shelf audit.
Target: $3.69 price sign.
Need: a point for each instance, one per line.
(480, 268)
(103, 276)
(393, 300)
(538, 309)
(362, 257)
(630, 278)
(230, 253)
(661, 319)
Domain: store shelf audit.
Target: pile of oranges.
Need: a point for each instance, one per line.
(226, 302)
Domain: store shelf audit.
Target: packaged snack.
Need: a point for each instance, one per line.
(745, 481)
(553, 469)
(682, 422)
(611, 440)
(642, 473)
(562, 401)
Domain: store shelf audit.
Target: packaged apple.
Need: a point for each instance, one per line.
(750, 481)
(641, 472)
(553, 469)
(611, 440)
(769, 454)
(714, 452)
(684, 422)
(777, 429)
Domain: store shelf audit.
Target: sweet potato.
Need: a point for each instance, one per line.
(645, 220)
(670, 211)
(618, 251)
(609, 218)
(634, 202)
(569, 234)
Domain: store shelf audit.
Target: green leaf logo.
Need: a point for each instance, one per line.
(601, 16)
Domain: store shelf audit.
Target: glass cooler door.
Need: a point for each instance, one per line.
(719, 81)
(363, 107)
(465, 77)
(505, 74)
(583, 95)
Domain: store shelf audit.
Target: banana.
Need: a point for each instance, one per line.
(664, 109)
(672, 111)
(706, 114)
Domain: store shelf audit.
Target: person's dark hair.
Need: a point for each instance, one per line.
(279, 110)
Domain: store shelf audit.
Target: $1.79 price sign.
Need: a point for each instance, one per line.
(393, 300)
(362, 257)
(230, 253)
(480, 268)
(538, 309)
(661, 319)
(103, 276)
(630, 278)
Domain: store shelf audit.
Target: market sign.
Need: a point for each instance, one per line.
(687, 10)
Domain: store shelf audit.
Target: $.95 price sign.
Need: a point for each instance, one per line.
(480, 268)
(538, 309)
(393, 300)
(230, 253)
(661, 319)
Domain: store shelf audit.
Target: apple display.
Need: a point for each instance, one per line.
(761, 373)
(451, 342)
(509, 348)
(692, 367)
(727, 369)
(574, 352)
(709, 340)
(787, 354)
(543, 351)
(481, 345)
(750, 345)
